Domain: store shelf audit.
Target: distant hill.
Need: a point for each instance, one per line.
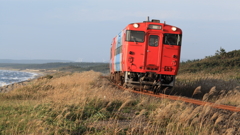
(220, 62)
(60, 66)
(31, 61)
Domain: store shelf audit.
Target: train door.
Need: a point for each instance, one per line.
(153, 52)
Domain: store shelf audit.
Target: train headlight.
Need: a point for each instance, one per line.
(174, 28)
(135, 25)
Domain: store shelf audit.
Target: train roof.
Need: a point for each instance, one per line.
(154, 24)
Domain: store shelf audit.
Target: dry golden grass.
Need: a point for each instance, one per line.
(219, 88)
(84, 103)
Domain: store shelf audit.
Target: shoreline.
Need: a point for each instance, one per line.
(12, 86)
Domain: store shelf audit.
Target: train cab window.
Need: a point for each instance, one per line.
(172, 39)
(135, 36)
(153, 40)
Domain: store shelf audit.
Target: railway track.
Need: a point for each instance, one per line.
(180, 98)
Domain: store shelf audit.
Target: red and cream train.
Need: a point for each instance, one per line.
(146, 55)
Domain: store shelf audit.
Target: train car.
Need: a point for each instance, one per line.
(146, 55)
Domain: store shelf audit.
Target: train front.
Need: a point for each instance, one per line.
(152, 54)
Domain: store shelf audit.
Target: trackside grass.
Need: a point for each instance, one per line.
(84, 103)
(222, 88)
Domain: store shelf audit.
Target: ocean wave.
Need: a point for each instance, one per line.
(8, 77)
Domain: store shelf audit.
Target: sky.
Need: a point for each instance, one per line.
(82, 30)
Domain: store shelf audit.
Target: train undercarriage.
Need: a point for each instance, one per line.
(144, 81)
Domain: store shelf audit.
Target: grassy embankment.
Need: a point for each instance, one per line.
(215, 76)
(221, 62)
(83, 103)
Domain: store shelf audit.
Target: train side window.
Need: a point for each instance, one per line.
(111, 53)
(118, 50)
(153, 40)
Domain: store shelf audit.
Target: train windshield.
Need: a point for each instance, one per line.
(135, 36)
(172, 39)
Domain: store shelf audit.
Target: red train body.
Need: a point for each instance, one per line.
(146, 55)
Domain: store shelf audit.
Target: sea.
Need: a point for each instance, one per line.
(8, 77)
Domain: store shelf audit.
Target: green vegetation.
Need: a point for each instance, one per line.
(221, 62)
(104, 68)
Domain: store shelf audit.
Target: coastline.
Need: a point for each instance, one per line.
(12, 86)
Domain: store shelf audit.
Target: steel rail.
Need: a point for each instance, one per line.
(184, 99)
